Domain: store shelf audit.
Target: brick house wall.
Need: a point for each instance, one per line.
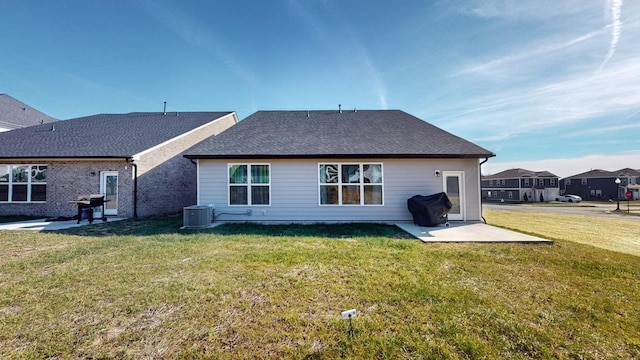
(166, 180)
(67, 179)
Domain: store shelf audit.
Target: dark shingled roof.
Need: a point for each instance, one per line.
(100, 136)
(317, 134)
(599, 173)
(15, 114)
(518, 173)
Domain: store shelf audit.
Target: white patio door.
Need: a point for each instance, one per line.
(453, 185)
(109, 187)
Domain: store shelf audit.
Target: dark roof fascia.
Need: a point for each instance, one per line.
(339, 156)
(491, 177)
(57, 158)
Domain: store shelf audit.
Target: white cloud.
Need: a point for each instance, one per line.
(518, 10)
(552, 103)
(605, 129)
(616, 30)
(550, 83)
(538, 53)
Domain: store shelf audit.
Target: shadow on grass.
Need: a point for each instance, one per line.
(172, 225)
(16, 218)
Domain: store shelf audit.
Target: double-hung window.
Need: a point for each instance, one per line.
(23, 183)
(249, 184)
(351, 184)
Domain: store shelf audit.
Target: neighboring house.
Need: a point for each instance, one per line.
(520, 185)
(135, 159)
(15, 114)
(600, 184)
(335, 166)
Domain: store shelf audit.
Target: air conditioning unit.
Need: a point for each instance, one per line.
(197, 216)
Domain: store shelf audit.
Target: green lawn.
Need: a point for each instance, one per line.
(616, 232)
(143, 289)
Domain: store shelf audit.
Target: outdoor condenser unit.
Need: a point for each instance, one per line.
(197, 216)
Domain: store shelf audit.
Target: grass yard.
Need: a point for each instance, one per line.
(616, 232)
(141, 289)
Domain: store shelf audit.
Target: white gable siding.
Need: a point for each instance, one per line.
(294, 190)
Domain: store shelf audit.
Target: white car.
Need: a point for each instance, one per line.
(569, 198)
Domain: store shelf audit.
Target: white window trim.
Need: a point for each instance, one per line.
(339, 184)
(29, 183)
(248, 184)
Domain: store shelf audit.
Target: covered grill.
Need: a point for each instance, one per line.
(90, 202)
(431, 210)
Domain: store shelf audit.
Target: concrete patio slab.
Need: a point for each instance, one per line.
(460, 231)
(48, 225)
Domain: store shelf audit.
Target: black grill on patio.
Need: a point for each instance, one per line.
(431, 210)
(89, 203)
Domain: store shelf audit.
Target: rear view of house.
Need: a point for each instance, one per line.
(134, 159)
(335, 166)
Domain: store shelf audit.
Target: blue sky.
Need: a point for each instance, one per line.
(546, 85)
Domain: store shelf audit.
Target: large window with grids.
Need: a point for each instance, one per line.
(23, 183)
(249, 184)
(351, 184)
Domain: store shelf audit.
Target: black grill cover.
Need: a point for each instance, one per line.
(429, 210)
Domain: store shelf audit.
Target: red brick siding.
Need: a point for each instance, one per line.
(166, 180)
(68, 179)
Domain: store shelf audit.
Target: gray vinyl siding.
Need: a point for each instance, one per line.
(294, 190)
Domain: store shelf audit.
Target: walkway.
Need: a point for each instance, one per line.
(469, 232)
(45, 225)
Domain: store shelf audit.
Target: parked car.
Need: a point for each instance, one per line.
(569, 198)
